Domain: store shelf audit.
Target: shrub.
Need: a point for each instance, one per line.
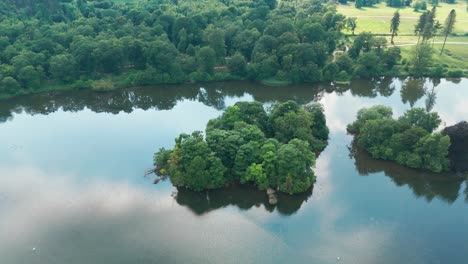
(104, 85)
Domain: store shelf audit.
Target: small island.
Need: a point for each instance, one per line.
(274, 150)
(408, 140)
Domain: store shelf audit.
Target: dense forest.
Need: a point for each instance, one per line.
(101, 45)
(274, 149)
(408, 140)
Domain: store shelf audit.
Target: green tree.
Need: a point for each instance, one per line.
(448, 26)
(82, 50)
(369, 64)
(237, 65)
(313, 32)
(391, 57)
(319, 126)
(294, 167)
(63, 67)
(366, 114)
(433, 150)
(30, 77)
(9, 85)
(345, 63)
(248, 154)
(193, 165)
(429, 25)
(214, 37)
(206, 59)
(394, 25)
(160, 54)
(421, 60)
(419, 27)
(256, 174)
(330, 71)
(419, 117)
(351, 23)
(359, 3)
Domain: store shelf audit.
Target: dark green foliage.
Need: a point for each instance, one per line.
(192, 163)
(365, 114)
(167, 41)
(237, 65)
(63, 67)
(408, 140)
(9, 85)
(294, 167)
(240, 147)
(421, 60)
(418, 117)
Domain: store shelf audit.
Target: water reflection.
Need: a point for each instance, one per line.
(166, 97)
(383, 86)
(423, 184)
(52, 219)
(412, 90)
(84, 200)
(244, 197)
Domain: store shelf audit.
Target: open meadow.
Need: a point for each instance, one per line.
(377, 21)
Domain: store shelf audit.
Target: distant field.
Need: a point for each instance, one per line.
(377, 19)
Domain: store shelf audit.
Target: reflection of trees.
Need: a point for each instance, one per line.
(466, 191)
(372, 88)
(412, 90)
(427, 185)
(244, 197)
(431, 95)
(160, 97)
(454, 80)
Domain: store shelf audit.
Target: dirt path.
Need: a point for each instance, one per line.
(339, 52)
(413, 43)
(406, 17)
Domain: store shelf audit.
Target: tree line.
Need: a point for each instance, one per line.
(101, 45)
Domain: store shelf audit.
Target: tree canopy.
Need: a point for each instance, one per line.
(407, 140)
(247, 144)
(80, 43)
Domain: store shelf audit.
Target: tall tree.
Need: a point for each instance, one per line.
(421, 60)
(351, 24)
(448, 26)
(429, 25)
(419, 27)
(359, 3)
(395, 25)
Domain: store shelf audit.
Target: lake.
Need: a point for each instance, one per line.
(72, 188)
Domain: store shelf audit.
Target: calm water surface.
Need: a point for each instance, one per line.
(72, 188)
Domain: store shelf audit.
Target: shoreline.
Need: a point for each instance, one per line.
(269, 83)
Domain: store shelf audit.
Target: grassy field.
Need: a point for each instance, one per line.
(454, 56)
(377, 19)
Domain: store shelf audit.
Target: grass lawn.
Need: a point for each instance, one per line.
(377, 19)
(454, 56)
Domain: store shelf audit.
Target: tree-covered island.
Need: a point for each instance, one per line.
(408, 140)
(248, 145)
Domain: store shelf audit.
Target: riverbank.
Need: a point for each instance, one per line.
(124, 80)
